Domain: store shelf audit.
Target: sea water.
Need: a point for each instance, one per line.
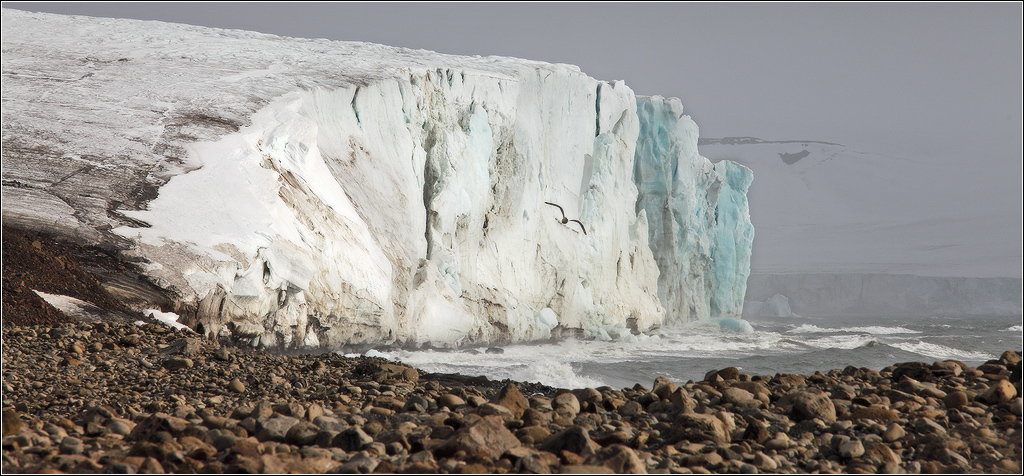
(770, 345)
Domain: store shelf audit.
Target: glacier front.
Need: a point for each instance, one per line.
(309, 193)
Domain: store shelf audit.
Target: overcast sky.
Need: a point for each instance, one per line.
(937, 82)
(896, 78)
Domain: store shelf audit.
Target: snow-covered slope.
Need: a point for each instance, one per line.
(315, 193)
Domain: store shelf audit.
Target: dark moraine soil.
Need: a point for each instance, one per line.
(111, 396)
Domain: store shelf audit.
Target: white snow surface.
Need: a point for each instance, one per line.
(315, 193)
(168, 318)
(71, 306)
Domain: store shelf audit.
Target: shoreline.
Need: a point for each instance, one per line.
(112, 397)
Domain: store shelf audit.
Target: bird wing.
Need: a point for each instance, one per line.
(581, 226)
(559, 208)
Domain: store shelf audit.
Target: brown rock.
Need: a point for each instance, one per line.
(1001, 391)
(756, 430)
(302, 433)
(851, 449)
(919, 371)
(158, 422)
(236, 386)
(620, 459)
(575, 439)
(566, 404)
(873, 412)
(151, 466)
(757, 389)
(178, 363)
(486, 437)
(697, 427)
(663, 387)
(585, 469)
(196, 448)
(1011, 357)
(493, 409)
(352, 439)
(881, 452)
(630, 408)
(813, 403)
(894, 432)
(955, 399)
(536, 433)
(728, 373)
(739, 398)
(681, 401)
(510, 397)
(11, 422)
(450, 401)
(765, 462)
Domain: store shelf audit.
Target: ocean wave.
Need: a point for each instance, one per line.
(846, 342)
(875, 330)
(555, 374)
(941, 352)
(1017, 328)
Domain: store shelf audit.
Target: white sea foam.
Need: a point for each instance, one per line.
(555, 374)
(941, 352)
(844, 341)
(875, 330)
(1017, 328)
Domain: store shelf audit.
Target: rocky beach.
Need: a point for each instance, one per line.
(112, 395)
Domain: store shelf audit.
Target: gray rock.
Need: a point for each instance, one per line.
(893, 433)
(765, 462)
(276, 429)
(851, 449)
(352, 439)
(927, 425)
(362, 463)
(575, 439)
(178, 363)
(71, 446)
(119, 427)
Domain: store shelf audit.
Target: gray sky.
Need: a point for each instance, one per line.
(939, 82)
(903, 78)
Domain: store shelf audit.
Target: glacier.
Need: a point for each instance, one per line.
(700, 230)
(313, 193)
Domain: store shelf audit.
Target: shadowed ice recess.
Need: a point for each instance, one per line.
(771, 345)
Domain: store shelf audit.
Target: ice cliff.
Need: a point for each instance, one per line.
(700, 229)
(314, 193)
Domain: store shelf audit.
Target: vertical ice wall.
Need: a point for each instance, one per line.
(699, 223)
(413, 211)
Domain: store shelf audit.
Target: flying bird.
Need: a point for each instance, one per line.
(566, 220)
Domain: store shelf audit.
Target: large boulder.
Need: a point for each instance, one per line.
(486, 437)
(697, 427)
(813, 403)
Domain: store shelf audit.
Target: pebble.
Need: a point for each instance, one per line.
(326, 414)
(236, 386)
